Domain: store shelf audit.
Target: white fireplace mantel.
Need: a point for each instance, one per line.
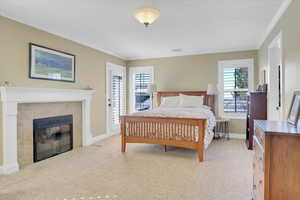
(10, 97)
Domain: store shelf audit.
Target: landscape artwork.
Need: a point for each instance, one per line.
(50, 64)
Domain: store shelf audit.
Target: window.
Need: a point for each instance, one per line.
(235, 81)
(140, 78)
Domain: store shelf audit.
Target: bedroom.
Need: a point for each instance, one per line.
(180, 52)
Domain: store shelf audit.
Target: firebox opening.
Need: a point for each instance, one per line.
(52, 136)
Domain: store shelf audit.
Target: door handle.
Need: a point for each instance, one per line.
(279, 87)
(109, 102)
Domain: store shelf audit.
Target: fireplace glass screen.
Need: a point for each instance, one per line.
(52, 136)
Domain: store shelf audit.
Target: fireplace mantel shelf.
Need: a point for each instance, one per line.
(10, 97)
(31, 95)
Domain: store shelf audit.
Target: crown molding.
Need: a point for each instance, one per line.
(193, 53)
(87, 44)
(285, 4)
(211, 51)
(270, 27)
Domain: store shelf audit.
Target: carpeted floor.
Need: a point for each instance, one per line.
(145, 172)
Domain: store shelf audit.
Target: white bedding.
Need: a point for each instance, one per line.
(199, 112)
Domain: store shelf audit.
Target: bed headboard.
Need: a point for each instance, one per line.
(207, 101)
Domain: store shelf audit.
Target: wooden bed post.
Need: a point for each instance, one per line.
(201, 147)
(123, 134)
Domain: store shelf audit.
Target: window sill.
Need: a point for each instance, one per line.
(231, 116)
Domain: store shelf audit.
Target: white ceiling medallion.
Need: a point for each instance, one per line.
(146, 15)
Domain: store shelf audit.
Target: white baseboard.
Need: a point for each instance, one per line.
(100, 137)
(240, 136)
(9, 169)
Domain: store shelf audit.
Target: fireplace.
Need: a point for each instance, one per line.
(52, 136)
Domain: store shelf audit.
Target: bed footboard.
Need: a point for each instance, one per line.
(180, 132)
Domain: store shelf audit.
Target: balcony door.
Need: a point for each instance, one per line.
(115, 96)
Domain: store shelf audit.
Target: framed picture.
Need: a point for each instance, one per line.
(295, 109)
(50, 64)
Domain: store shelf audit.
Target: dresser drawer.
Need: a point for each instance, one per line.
(258, 169)
(260, 189)
(258, 181)
(258, 155)
(260, 136)
(258, 184)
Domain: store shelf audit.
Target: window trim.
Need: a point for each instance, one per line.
(243, 63)
(132, 71)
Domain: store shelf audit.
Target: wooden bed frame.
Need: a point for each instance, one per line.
(167, 131)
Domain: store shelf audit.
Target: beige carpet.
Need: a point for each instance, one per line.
(145, 172)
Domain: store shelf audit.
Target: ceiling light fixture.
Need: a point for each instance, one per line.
(146, 15)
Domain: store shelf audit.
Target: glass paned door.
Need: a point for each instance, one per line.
(115, 97)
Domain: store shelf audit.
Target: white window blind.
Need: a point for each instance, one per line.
(142, 98)
(235, 81)
(118, 107)
(141, 78)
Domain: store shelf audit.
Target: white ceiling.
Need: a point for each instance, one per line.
(195, 26)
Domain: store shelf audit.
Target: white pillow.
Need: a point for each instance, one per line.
(190, 101)
(170, 102)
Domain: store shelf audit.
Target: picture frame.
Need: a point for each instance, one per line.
(51, 64)
(294, 113)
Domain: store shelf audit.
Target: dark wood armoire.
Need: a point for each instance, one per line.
(257, 110)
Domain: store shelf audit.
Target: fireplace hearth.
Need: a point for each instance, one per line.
(52, 136)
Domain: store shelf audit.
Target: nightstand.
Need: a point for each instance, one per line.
(222, 129)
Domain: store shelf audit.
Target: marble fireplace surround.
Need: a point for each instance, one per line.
(28, 112)
(10, 97)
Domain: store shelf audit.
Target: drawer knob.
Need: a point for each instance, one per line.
(260, 182)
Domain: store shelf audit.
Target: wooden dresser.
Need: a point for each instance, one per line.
(257, 110)
(276, 165)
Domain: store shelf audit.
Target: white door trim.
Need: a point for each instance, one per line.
(271, 45)
(112, 66)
